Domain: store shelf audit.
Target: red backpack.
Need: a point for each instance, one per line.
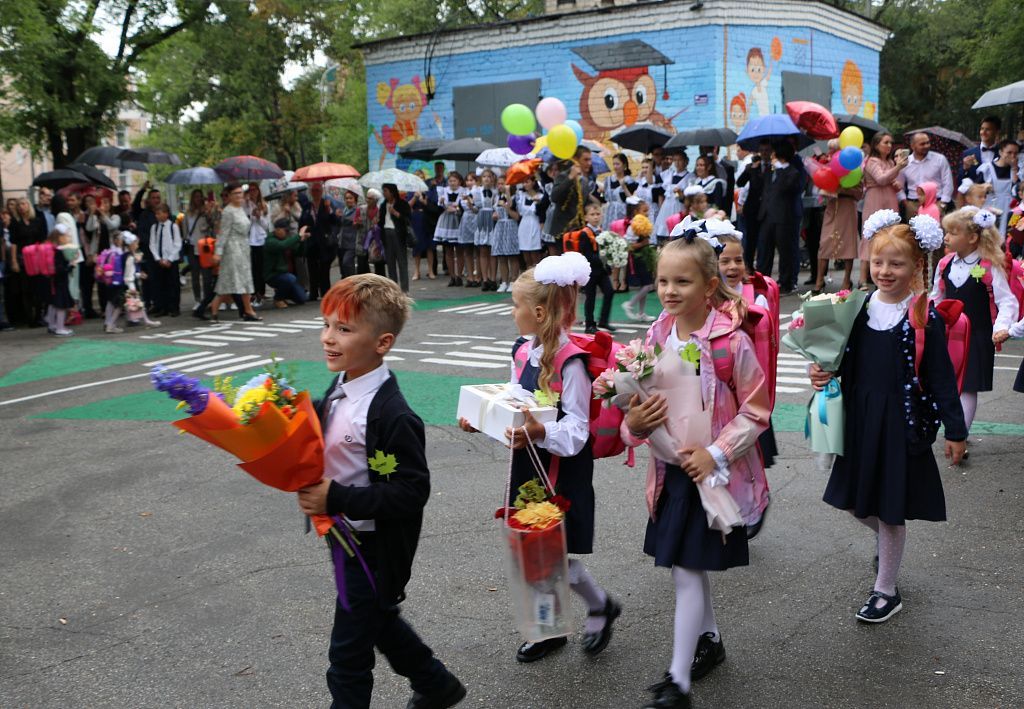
(39, 259)
(571, 239)
(958, 337)
(1014, 277)
(600, 352)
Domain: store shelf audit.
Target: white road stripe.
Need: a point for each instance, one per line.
(446, 344)
(318, 323)
(791, 370)
(254, 333)
(462, 308)
(278, 329)
(460, 337)
(488, 348)
(404, 351)
(392, 358)
(177, 358)
(201, 343)
(1005, 356)
(790, 390)
(494, 310)
(74, 388)
(201, 361)
(304, 326)
(464, 363)
(507, 343)
(226, 338)
(247, 365)
(788, 355)
(793, 380)
(480, 355)
(785, 316)
(221, 363)
(1008, 369)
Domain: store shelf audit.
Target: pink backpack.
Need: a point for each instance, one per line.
(619, 226)
(958, 338)
(39, 259)
(1014, 277)
(600, 352)
(764, 333)
(109, 268)
(760, 284)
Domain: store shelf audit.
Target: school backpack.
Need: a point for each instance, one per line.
(374, 245)
(39, 259)
(1014, 277)
(619, 226)
(207, 248)
(760, 284)
(763, 331)
(571, 240)
(605, 421)
(958, 337)
(110, 268)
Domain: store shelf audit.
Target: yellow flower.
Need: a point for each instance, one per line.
(641, 226)
(252, 399)
(539, 515)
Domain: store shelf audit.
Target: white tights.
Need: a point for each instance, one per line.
(695, 615)
(969, 401)
(639, 299)
(584, 585)
(111, 314)
(891, 541)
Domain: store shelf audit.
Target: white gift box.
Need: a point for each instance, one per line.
(492, 408)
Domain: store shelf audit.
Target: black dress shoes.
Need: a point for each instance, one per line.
(531, 652)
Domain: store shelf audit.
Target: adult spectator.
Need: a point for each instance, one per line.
(424, 239)
(100, 225)
(194, 227)
(232, 255)
(839, 234)
(259, 226)
(571, 193)
(924, 166)
(144, 217)
(6, 216)
(725, 171)
(350, 233)
(370, 218)
(881, 189)
(1004, 176)
(290, 209)
(432, 210)
(26, 228)
(275, 263)
(990, 131)
(123, 209)
(319, 219)
(45, 197)
(779, 220)
(705, 177)
(394, 219)
(753, 179)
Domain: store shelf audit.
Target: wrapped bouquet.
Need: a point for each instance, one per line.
(819, 332)
(613, 249)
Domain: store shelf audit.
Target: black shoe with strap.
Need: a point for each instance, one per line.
(668, 695)
(590, 329)
(531, 652)
(606, 326)
(451, 694)
(709, 655)
(593, 643)
(871, 612)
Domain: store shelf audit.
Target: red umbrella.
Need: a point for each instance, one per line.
(814, 119)
(82, 189)
(324, 171)
(248, 167)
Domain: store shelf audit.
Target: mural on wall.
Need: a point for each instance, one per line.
(851, 92)
(760, 73)
(406, 103)
(622, 92)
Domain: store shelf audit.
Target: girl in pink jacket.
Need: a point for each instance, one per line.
(700, 314)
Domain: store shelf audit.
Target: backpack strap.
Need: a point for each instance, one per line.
(919, 330)
(564, 354)
(941, 268)
(722, 358)
(987, 280)
(749, 293)
(520, 356)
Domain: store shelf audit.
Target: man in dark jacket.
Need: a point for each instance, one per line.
(755, 175)
(570, 186)
(779, 219)
(376, 483)
(320, 220)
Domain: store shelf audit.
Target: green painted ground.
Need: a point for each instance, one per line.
(85, 356)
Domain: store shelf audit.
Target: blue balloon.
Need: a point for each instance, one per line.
(576, 128)
(851, 157)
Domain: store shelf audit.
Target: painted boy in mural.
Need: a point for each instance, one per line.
(622, 92)
(851, 88)
(738, 114)
(758, 72)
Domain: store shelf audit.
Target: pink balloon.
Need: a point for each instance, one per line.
(837, 167)
(550, 112)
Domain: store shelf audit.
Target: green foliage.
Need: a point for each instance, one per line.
(530, 491)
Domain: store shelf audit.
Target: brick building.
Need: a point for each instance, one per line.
(676, 63)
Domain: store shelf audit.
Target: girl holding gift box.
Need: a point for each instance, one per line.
(888, 473)
(700, 312)
(544, 301)
(972, 272)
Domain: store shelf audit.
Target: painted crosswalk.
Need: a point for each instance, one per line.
(212, 363)
(480, 308)
(224, 334)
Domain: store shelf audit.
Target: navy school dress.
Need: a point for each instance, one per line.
(575, 480)
(981, 355)
(889, 470)
(1018, 384)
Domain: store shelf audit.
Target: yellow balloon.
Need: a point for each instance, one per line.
(562, 141)
(539, 144)
(852, 136)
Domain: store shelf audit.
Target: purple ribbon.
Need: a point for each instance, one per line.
(339, 555)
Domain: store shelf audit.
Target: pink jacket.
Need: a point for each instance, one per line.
(928, 205)
(737, 418)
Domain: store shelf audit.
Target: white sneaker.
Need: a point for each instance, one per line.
(502, 288)
(63, 333)
(224, 306)
(112, 330)
(627, 308)
(648, 318)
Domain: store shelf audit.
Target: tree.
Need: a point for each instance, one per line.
(62, 91)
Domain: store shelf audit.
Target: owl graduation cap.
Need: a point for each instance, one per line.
(622, 92)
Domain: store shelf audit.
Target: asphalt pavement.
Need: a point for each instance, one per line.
(142, 569)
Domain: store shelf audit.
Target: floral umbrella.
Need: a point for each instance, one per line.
(948, 142)
(404, 181)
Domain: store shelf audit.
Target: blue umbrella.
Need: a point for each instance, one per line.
(773, 127)
(600, 166)
(195, 176)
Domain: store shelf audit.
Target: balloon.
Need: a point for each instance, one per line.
(551, 112)
(851, 137)
(539, 144)
(577, 129)
(517, 119)
(837, 167)
(853, 179)
(851, 158)
(562, 141)
(521, 144)
(826, 180)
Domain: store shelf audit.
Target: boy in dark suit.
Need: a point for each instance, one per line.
(376, 476)
(778, 218)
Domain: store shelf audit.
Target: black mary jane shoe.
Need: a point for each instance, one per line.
(200, 315)
(451, 694)
(590, 329)
(606, 326)
(451, 283)
(709, 655)
(251, 318)
(593, 643)
(531, 652)
(869, 613)
(668, 695)
(754, 529)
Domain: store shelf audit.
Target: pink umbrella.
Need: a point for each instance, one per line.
(324, 171)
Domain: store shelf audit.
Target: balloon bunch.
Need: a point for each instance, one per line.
(845, 168)
(561, 135)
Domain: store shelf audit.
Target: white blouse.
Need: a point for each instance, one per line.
(885, 316)
(960, 271)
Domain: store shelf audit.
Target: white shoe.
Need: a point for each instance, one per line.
(648, 318)
(502, 288)
(63, 333)
(630, 312)
(112, 330)
(224, 306)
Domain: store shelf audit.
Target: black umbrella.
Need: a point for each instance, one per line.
(866, 125)
(55, 179)
(287, 190)
(715, 137)
(420, 149)
(462, 149)
(642, 137)
(111, 156)
(151, 155)
(95, 176)
(247, 168)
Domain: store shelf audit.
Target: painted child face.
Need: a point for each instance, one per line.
(682, 290)
(526, 316)
(738, 116)
(730, 264)
(892, 271)
(755, 69)
(961, 240)
(352, 345)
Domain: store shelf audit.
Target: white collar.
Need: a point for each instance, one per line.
(913, 158)
(368, 383)
(970, 259)
(537, 348)
(901, 306)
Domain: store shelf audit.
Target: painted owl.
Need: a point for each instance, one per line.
(616, 98)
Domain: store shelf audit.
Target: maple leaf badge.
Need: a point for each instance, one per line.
(383, 464)
(978, 272)
(546, 398)
(691, 353)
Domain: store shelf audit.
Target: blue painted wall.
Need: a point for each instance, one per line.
(721, 76)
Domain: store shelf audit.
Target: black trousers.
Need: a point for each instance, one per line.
(778, 236)
(86, 283)
(166, 287)
(751, 232)
(347, 261)
(397, 255)
(319, 259)
(813, 218)
(590, 298)
(372, 624)
(256, 259)
(363, 265)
